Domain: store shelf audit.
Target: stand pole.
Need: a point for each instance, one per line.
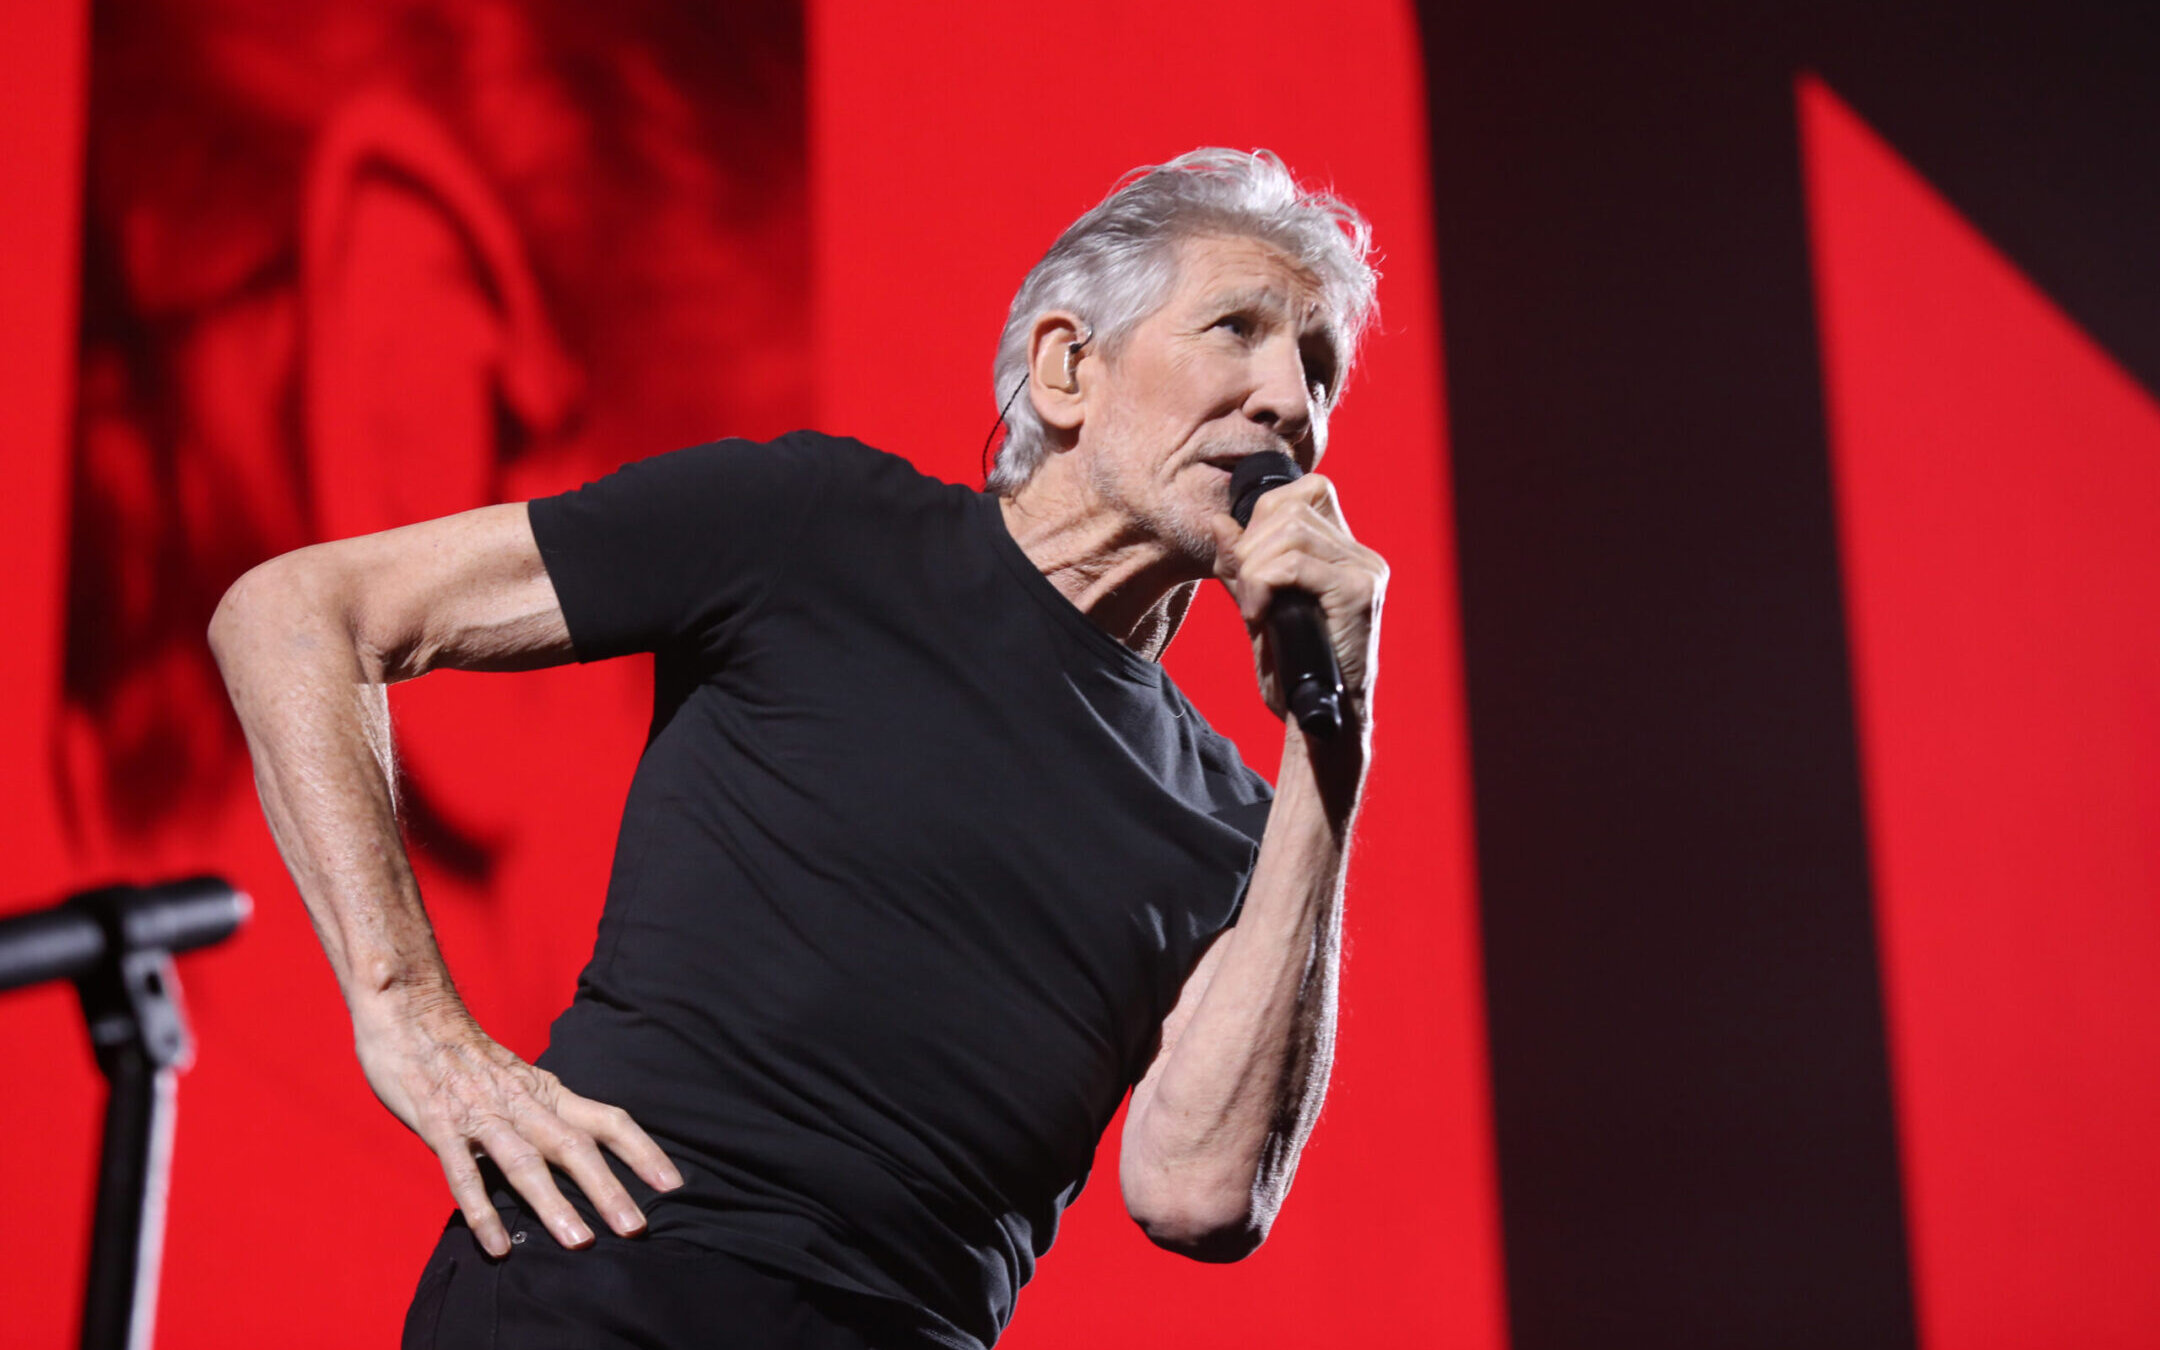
(120, 1294)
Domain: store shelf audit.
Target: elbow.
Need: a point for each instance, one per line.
(268, 599)
(235, 613)
(1220, 1228)
(248, 606)
(1214, 1246)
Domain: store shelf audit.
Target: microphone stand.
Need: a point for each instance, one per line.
(117, 944)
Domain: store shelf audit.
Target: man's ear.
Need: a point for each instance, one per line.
(1058, 346)
(424, 342)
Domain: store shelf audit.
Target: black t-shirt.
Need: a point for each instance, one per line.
(915, 863)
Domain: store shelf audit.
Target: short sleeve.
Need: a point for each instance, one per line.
(669, 552)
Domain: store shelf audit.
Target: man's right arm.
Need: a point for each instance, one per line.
(309, 643)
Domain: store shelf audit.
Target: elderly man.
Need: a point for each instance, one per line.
(926, 861)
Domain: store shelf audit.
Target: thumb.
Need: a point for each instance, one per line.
(1227, 534)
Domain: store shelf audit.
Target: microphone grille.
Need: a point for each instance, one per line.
(1255, 474)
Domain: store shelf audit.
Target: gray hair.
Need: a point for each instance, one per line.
(1118, 263)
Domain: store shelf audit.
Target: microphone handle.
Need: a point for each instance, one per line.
(1305, 664)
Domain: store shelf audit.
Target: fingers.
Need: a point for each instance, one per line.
(471, 1195)
(1304, 514)
(565, 1137)
(612, 1126)
(1301, 552)
(1297, 540)
(526, 1169)
(468, 1096)
(567, 1132)
(1315, 492)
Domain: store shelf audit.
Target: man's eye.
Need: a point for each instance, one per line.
(1236, 324)
(1320, 372)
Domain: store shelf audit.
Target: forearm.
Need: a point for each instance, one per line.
(308, 644)
(1213, 1135)
(313, 704)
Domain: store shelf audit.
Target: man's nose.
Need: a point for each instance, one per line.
(1280, 399)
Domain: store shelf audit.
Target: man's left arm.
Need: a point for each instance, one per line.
(1216, 1123)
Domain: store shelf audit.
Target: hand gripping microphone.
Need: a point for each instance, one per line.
(1305, 667)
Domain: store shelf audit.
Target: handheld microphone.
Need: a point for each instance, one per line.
(1297, 633)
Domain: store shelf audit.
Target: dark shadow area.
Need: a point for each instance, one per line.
(1695, 1125)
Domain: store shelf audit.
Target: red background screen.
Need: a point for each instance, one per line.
(390, 302)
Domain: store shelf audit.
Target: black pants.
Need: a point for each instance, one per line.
(642, 1292)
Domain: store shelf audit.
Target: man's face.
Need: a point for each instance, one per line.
(1241, 358)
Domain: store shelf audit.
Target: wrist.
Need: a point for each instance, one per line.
(397, 994)
(1333, 767)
